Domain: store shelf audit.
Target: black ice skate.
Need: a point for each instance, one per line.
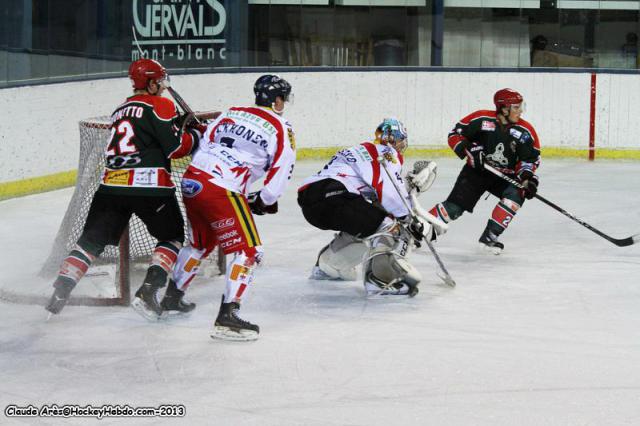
(146, 302)
(173, 302)
(489, 242)
(62, 290)
(229, 326)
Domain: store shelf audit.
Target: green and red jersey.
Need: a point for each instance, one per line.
(145, 136)
(509, 148)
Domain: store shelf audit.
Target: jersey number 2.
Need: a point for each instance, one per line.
(121, 145)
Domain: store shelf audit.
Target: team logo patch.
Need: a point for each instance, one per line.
(190, 188)
(116, 177)
(239, 272)
(224, 223)
(388, 157)
(191, 264)
(489, 126)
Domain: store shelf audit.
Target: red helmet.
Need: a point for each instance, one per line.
(506, 97)
(143, 70)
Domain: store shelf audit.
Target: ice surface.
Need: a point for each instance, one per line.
(548, 333)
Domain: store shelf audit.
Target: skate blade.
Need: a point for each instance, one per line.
(492, 250)
(225, 333)
(171, 315)
(141, 308)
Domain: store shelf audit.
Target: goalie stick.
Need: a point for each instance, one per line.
(620, 242)
(446, 277)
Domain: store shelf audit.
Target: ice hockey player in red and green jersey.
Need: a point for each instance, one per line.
(146, 133)
(502, 139)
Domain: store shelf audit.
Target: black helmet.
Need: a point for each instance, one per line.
(268, 87)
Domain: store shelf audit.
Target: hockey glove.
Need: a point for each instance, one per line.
(258, 207)
(185, 120)
(530, 183)
(475, 156)
(422, 176)
(416, 229)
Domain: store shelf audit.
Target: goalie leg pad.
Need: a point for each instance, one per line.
(339, 259)
(387, 270)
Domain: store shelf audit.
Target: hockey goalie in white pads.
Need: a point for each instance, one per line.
(352, 194)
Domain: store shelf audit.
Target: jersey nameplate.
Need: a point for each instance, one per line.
(362, 153)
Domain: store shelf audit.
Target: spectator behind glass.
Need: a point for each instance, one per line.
(539, 42)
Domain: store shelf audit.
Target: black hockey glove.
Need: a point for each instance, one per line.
(475, 156)
(530, 183)
(416, 229)
(185, 120)
(258, 207)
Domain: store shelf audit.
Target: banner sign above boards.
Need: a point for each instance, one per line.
(185, 33)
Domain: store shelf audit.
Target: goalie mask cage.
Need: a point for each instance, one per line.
(136, 245)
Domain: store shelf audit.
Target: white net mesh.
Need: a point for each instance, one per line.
(94, 135)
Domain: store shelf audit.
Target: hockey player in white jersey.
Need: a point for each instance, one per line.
(353, 194)
(241, 146)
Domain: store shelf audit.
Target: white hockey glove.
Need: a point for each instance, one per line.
(422, 176)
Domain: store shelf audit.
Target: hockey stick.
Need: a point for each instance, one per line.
(176, 96)
(620, 242)
(446, 277)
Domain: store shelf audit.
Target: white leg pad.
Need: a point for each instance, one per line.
(340, 259)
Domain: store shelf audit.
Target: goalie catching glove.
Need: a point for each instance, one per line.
(258, 207)
(422, 176)
(530, 183)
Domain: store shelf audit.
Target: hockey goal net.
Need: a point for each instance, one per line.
(110, 275)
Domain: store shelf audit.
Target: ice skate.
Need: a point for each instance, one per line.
(62, 290)
(173, 303)
(489, 242)
(146, 302)
(375, 287)
(229, 326)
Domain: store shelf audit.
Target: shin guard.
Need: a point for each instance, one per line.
(187, 266)
(76, 264)
(240, 271)
(503, 213)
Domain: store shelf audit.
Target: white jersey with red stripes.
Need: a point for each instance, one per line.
(244, 144)
(358, 168)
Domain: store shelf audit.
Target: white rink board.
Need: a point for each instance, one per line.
(39, 132)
